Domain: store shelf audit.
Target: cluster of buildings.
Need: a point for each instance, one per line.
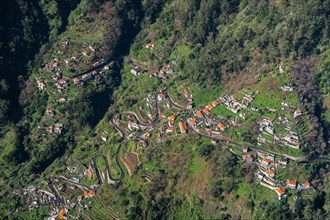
(132, 125)
(268, 166)
(165, 72)
(56, 67)
(234, 105)
(231, 103)
(286, 105)
(291, 184)
(151, 106)
(81, 79)
(73, 210)
(266, 124)
(72, 205)
(41, 84)
(53, 129)
(53, 66)
(38, 197)
(170, 123)
(188, 98)
(291, 139)
(204, 118)
(61, 84)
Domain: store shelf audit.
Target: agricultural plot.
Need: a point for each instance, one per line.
(131, 162)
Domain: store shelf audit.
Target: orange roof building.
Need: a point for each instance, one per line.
(171, 118)
(270, 173)
(85, 52)
(280, 191)
(221, 126)
(89, 193)
(161, 96)
(306, 184)
(183, 127)
(61, 214)
(215, 103)
(265, 160)
(206, 111)
(292, 183)
(76, 80)
(245, 156)
(94, 72)
(199, 114)
(209, 107)
(150, 45)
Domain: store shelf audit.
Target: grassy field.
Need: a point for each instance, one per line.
(223, 111)
(203, 96)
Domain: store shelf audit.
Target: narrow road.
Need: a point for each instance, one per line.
(174, 105)
(151, 124)
(122, 173)
(147, 125)
(74, 183)
(115, 122)
(106, 62)
(118, 128)
(303, 159)
(59, 198)
(134, 62)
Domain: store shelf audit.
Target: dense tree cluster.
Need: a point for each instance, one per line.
(306, 85)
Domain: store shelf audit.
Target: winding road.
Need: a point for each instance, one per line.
(115, 122)
(303, 159)
(122, 173)
(174, 104)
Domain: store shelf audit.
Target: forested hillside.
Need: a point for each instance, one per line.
(87, 80)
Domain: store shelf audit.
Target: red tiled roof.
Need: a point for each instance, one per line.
(150, 45)
(270, 172)
(199, 114)
(292, 182)
(215, 103)
(245, 156)
(307, 184)
(89, 193)
(62, 214)
(183, 126)
(221, 125)
(209, 107)
(281, 191)
(266, 160)
(206, 111)
(171, 118)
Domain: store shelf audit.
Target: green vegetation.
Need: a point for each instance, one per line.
(211, 49)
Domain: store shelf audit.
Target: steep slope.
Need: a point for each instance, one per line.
(102, 72)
